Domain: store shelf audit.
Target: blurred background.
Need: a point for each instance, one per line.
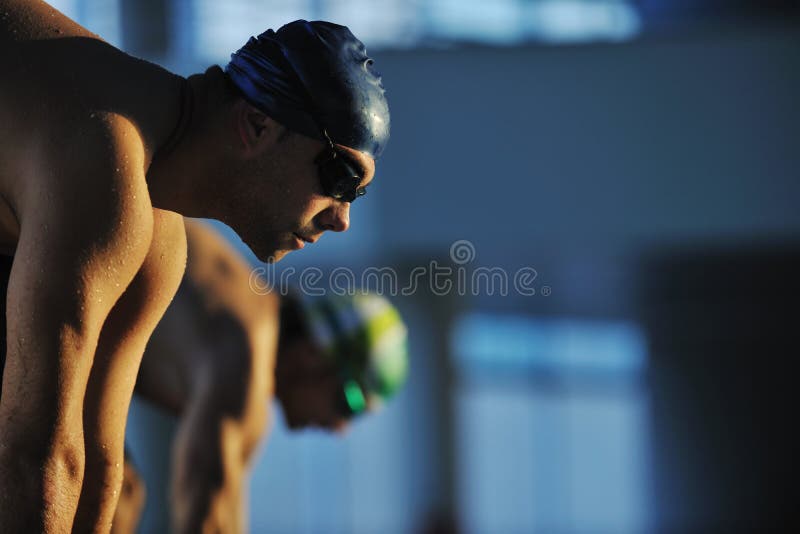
(639, 161)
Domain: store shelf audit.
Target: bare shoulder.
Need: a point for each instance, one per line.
(165, 263)
(224, 277)
(93, 176)
(85, 220)
(83, 204)
(27, 20)
(226, 282)
(206, 243)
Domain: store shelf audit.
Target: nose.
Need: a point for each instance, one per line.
(336, 217)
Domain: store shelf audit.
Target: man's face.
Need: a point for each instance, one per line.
(309, 389)
(278, 204)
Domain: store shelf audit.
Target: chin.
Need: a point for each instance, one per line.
(276, 256)
(264, 252)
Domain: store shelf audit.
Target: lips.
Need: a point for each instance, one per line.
(306, 239)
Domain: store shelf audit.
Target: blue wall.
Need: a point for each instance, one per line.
(574, 160)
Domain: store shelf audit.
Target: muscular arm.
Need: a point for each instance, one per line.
(221, 339)
(131, 501)
(210, 463)
(119, 352)
(84, 234)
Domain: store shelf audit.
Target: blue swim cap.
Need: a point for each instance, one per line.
(314, 75)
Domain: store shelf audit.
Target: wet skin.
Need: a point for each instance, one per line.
(94, 263)
(215, 361)
(89, 212)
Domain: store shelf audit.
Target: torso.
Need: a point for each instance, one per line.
(59, 79)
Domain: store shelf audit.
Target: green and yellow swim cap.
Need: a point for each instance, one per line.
(367, 341)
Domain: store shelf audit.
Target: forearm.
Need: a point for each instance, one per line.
(40, 487)
(119, 353)
(208, 469)
(198, 496)
(42, 456)
(100, 491)
(106, 406)
(192, 506)
(131, 501)
(208, 507)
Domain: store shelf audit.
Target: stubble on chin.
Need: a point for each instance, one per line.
(270, 254)
(276, 256)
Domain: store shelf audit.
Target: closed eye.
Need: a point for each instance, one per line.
(356, 165)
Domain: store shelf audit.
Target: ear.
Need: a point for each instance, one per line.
(255, 130)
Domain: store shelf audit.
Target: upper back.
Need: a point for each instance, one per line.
(63, 93)
(57, 74)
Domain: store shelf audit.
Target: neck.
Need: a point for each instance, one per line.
(181, 177)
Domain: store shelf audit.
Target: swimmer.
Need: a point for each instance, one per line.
(223, 351)
(100, 155)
